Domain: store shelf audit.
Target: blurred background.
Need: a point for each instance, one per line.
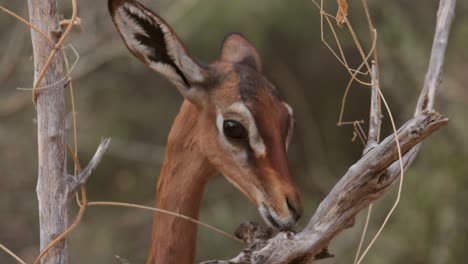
(118, 97)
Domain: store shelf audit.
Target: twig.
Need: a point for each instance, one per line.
(359, 132)
(75, 182)
(445, 16)
(353, 72)
(371, 30)
(352, 79)
(9, 252)
(65, 79)
(28, 24)
(103, 203)
(375, 120)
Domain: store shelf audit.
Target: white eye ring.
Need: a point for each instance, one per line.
(243, 113)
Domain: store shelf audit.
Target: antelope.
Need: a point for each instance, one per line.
(232, 121)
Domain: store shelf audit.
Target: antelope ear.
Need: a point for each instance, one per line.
(152, 41)
(237, 49)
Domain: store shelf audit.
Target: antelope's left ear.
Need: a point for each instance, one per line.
(237, 49)
(152, 41)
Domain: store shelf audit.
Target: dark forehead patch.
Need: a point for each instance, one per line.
(251, 82)
(250, 61)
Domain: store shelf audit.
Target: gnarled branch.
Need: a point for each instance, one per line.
(369, 178)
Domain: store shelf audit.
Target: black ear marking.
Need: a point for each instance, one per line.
(155, 42)
(152, 41)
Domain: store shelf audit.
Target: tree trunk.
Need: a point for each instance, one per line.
(52, 191)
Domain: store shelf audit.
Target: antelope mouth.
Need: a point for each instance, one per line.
(273, 220)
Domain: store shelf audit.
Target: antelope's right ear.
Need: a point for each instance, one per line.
(151, 40)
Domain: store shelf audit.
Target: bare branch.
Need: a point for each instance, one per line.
(375, 119)
(426, 99)
(76, 182)
(445, 16)
(24, 21)
(364, 182)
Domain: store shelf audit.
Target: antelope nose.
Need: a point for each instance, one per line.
(295, 209)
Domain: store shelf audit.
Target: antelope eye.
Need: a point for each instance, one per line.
(234, 129)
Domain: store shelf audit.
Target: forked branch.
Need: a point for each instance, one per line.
(369, 178)
(75, 182)
(365, 181)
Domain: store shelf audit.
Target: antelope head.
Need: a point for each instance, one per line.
(243, 127)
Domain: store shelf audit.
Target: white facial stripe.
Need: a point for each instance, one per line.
(255, 140)
(291, 125)
(239, 155)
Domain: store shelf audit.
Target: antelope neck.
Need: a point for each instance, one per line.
(180, 189)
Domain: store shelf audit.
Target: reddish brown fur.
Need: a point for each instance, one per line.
(273, 123)
(193, 155)
(196, 150)
(180, 189)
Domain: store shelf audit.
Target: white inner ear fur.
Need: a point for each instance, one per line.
(129, 28)
(239, 112)
(291, 125)
(175, 49)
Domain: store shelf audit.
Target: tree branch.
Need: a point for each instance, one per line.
(375, 117)
(364, 182)
(445, 16)
(370, 177)
(75, 182)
